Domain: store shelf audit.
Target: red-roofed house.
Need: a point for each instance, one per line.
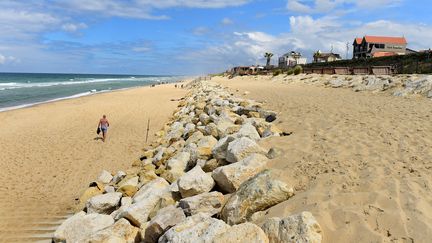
(378, 46)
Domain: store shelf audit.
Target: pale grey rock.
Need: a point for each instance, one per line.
(198, 228)
(301, 227)
(205, 146)
(109, 189)
(145, 200)
(165, 219)
(104, 203)
(240, 148)
(246, 232)
(207, 203)
(176, 166)
(219, 151)
(80, 226)
(229, 177)
(248, 130)
(194, 138)
(118, 177)
(256, 194)
(121, 231)
(105, 177)
(195, 182)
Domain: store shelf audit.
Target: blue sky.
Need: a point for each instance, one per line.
(192, 36)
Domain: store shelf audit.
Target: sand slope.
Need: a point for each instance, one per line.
(48, 153)
(360, 162)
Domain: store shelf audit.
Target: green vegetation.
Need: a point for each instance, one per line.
(290, 71)
(298, 69)
(277, 72)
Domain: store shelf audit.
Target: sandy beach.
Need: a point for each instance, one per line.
(49, 154)
(360, 162)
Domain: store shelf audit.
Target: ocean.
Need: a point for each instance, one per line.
(18, 90)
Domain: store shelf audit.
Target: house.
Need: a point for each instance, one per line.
(291, 59)
(379, 46)
(326, 57)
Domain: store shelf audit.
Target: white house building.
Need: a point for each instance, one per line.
(291, 59)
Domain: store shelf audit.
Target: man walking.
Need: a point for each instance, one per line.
(103, 124)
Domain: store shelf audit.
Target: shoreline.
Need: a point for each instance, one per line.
(79, 95)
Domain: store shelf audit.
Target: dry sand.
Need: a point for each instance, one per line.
(48, 153)
(360, 162)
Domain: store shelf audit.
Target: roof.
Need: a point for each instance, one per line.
(324, 55)
(385, 39)
(358, 41)
(384, 54)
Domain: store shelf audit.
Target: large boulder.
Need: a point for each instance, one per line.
(80, 226)
(256, 194)
(104, 203)
(145, 200)
(165, 219)
(195, 182)
(240, 148)
(121, 231)
(219, 151)
(246, 232)
(207, 203)
(229, 177)
(301, 227)
(197, 228)
(176, 166)
(205, 146)
(248, 130)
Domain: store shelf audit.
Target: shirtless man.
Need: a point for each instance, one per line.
(103, 124)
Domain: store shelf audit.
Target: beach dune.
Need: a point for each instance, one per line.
(49, 153)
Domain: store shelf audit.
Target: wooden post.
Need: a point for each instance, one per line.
(148, 128)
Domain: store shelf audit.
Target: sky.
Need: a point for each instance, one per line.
(189, 37)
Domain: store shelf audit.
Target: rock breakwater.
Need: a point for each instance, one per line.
(203, 180)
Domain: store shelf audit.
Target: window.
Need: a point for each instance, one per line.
(379, 46)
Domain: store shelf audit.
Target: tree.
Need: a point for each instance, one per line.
(316, 56)
(268, 55)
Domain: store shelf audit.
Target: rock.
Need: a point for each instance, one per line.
(204, 119)
(121, 231)
(176, 166)
(165, 219)
(118, 177)
(129, 181)
(145, 176)
(240, 148)
(219, 151)
(105, 177)
(273, 153)
(211, 130)
(271, 118)
(205, 146)
(208, 203)
(197, 228)
(128, 190)
(229, 177)
(212, 164)
(301, 227)
(81, 226)
(256, 194)
(195, 137)
(272, 130)
(195, 182)
(103, 204)
(109, 189)
(126, 201)
(145, 200)
(88, 193)
(225, 128)
(189, 130)
(176, 131)
(248, 130)
(246, 232)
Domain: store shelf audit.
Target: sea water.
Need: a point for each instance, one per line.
(19, 90)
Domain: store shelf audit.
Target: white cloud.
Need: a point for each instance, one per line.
(326, 6)
(227, 21)
(8, 59)
(71, 27)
